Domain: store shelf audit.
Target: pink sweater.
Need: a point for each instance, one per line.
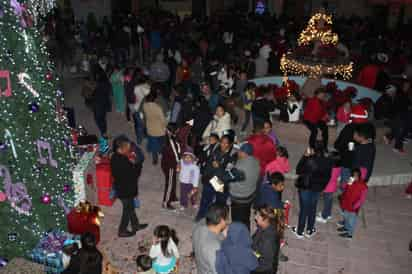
(343, 116)
(333, 181)
(332, 185)
(280, 164)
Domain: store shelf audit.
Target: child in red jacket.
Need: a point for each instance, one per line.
(315, 117)
(351, 200)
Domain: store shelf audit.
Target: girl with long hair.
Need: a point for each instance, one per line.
(164, 250)
(266, 240)
(90, 257)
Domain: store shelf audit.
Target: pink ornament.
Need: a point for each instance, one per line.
(45, 199)
(3, 196)
(67, 188)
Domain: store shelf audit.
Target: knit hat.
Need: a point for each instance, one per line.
(189, 151)
(358, 114)
(246, 148)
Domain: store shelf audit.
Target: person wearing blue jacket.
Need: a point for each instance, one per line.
(270, 193)
(236, 255)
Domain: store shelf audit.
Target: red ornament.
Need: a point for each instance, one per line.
(49, 76)
(89, 179)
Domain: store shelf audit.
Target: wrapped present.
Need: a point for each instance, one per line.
(85, 218)
(48, 251)
(84, 179)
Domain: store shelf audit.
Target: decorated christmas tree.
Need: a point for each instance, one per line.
(35, 158)
(319, 52)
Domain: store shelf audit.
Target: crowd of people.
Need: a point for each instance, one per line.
(185, 104)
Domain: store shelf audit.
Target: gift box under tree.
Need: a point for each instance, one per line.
(85, 218)
(48, 251)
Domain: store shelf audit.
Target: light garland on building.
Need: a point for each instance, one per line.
(312, 33)
(291, 66)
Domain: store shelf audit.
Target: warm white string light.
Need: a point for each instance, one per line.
(22, 52)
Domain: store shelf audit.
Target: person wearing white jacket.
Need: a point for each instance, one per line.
(140, 92)
(221, 122)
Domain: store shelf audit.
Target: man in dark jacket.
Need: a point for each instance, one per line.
(262, 107)
(102, 101)
(349, 154)
(126, 173)
(365, 150)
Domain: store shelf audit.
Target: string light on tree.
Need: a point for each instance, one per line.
(317, 29)
(326, 57)
(33, 86)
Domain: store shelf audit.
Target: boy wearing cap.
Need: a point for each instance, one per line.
(189, 179)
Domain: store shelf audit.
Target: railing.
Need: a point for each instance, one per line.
(362, 91)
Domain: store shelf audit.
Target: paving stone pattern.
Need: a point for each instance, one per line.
(380, 244)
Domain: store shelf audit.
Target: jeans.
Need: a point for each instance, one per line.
(128, 215)
(308, 201)
(350, 219)
(398, 131)
(208, 195)
(248, 113)
(241, 213)
(314, 133)
(327, 204)
(138, 127)
(345, 174)
(101, 121)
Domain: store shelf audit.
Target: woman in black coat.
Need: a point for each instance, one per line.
(102, 102)
(216, 164)
(266, 239)
(314, 171)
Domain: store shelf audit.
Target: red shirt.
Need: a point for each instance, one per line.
(367, 76)
(314, 110)
(353, 196)
(264, 150)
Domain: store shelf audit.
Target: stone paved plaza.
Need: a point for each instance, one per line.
(380, 245)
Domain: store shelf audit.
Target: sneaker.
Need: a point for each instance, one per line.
(386, 140)
(170, 207)
(327, 219)
(182, 208)
(399, 151)
(345, 235)
(283, 257)
(141, 227)
(320, 219)
(310, 233)
(295, 231)
(126, 234)
(340, 224)
(341, 229)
